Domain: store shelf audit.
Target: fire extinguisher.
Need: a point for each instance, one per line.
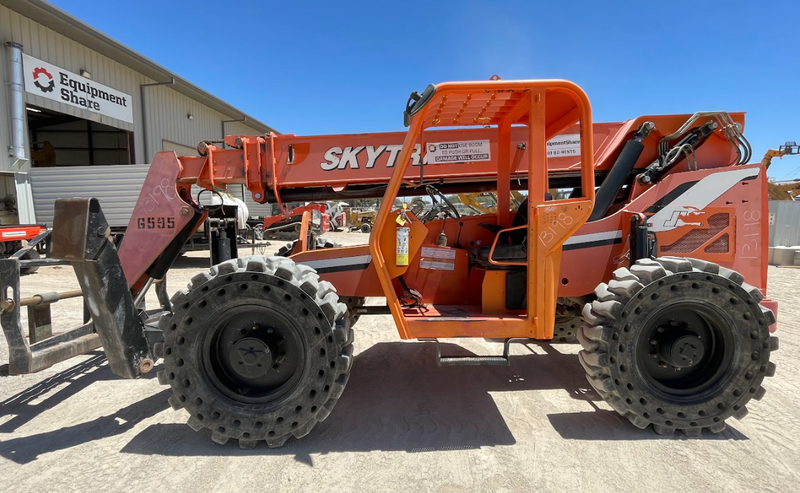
(403, 233)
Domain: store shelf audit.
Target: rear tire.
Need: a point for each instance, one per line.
(257, 349)
(366, 228)
(353, 304)
(287, 249)
(31, 254)
(680, 344)
(566, 329)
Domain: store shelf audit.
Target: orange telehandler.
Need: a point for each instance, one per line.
(648, 254)
(786, 189)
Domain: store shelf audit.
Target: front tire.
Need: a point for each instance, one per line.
(680, 344)
(256, 349)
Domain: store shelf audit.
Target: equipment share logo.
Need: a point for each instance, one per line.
(43, 79)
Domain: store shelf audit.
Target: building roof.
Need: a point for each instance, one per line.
(63, 23)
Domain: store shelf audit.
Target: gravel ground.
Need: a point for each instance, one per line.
(535, 425)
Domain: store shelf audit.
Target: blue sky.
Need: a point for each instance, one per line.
(345, 67)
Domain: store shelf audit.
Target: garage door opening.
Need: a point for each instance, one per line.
(58, 139)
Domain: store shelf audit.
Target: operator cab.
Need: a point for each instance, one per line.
(493, 272)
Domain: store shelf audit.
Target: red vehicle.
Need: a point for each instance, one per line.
(11, 238)
(289, 219)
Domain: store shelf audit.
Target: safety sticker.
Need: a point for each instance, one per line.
(458, 152)
(401, 259)
(564, 145)
(13, 234)
(436, 264)
(438, 253)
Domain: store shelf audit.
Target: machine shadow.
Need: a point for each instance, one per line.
(398, 400)
(185, 262)
(26, 406)
(609, 425)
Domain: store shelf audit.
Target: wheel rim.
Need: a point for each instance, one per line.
(566, 326)
(686, 349)
(253, 354)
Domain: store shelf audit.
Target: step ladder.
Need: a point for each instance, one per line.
(476, 360)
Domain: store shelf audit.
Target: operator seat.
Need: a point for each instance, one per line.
(516, 250)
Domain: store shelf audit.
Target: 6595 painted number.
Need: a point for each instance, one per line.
(155, 222)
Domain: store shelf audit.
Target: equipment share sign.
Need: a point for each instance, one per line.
(51, 82)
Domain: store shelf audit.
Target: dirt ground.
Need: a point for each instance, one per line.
(402, 424)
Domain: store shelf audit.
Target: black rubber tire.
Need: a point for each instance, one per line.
(316, 317)
(326, 243)
(353, 303)
(611, 337)
(287, 249)
(566, 330)
(31, 254)
(366, 228)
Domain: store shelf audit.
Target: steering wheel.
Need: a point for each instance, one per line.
(442, 204)
(417, 207)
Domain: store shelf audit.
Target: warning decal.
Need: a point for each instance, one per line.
(431, 252)
(458, 152)
(437, 265)
(438, 258)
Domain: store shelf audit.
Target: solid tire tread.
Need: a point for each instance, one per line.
(602, 327)
(205, 409)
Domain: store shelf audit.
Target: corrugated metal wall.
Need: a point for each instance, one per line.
(167, 110)
(6, 34)
(784, 223)
(239, 128)
(46, 44)
(117, 187)
(167, 119)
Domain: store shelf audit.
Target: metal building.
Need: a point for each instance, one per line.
(79, 111)
(784, 223)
